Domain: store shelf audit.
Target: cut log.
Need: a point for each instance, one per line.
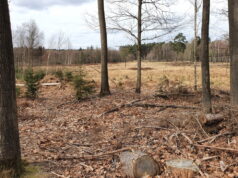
(42, 84)
(20, 85)
(137, 164)
(181, 168)
(50, 84)
(211, 119)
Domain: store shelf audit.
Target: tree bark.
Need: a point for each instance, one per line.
(104, 50)
(233, 23)
(9, 134)
(138, 81)
(195, 44)
(206, 91)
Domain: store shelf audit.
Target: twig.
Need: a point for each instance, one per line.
(161, 109)
(208, 158)
(211, 147)
(185, 136)
(59, 175)
(199, 170)
(200, 125)
(181, 133)
(76, 101)
(66, 103)
(230, 165)
(86, 166)
(217, 148)
(173, 125)
(214, 137)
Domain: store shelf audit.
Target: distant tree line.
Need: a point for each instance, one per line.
(162, 51)
(42, 56)
(177, 51)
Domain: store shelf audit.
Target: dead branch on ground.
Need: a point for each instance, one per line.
(145, 105)
(91, 157)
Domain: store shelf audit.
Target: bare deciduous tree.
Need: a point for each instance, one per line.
(233, 23)
(104, 50)
(29, 36)
(135, 17)
(206, 91)
(69, 52)
(34, 37)
(196, 4)
(60, 40)
(9, 136)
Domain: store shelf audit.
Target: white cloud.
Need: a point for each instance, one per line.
(43, 4)
(69, 16)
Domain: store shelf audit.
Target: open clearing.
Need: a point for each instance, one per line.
(66, 138)
(152, 72)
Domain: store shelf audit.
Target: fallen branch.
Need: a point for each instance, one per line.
(120, 107)
(213, 137)
(153, 127)
(166, 96)
(217, 148)
(210, 147)
(163, 106)
(91, 157)
(136, 104)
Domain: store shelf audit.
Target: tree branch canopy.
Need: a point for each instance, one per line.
(157, 19)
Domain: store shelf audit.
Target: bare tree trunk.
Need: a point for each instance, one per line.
(195, 44)
(104, 50)
(206, 91)
(233, 22)
(48, 61)
(138, 81)
(9, 135)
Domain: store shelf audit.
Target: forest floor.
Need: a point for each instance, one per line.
(68, 138)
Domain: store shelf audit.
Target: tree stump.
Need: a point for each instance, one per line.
(137, 164)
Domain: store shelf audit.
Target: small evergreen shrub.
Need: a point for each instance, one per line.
(68, 76)
(18, 91)
(39, 75)
(83, 87)
(59, 74)
(19, 73)
(32, 83)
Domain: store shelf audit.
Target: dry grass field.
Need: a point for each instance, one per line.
(124, 76)
(64, 137)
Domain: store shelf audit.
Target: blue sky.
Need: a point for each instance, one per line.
(69, 16)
